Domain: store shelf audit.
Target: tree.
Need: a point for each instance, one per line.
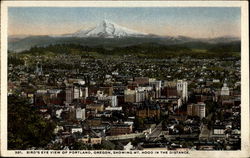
(180, 128)
(139, 122)
(81, 146)
(187, 144)
(135, 141)
(26, 128)
(107, 145)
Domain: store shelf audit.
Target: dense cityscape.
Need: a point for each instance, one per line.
(125, 102)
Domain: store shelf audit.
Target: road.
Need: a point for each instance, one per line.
(205, 132)
(156, 132)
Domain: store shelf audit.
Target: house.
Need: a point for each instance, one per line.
(90, 140)
(219, 129)
(76, 129)
(94, 121)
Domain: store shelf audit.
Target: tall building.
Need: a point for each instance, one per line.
(140, 95)
(69, 95)
(80, 114)
(76, 91)
(80, 91)
(202, 110)
(170, 89)
(113, 100)
(85, 92)
(197, 109)
(156, 87)
(182, 89)
(190, 109)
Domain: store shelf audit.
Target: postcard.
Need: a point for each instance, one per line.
(124, 79)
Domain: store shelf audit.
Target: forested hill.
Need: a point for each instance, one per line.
(151, 50)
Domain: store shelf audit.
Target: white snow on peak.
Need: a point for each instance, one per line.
(108, 29)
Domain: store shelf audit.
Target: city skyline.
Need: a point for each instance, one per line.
(202, 22)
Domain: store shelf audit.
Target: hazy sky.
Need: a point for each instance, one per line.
(172, 21)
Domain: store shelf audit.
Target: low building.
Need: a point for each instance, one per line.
(218, 129)
(119, 129)
(90, 140)
(108, 90)
(95, 140)
(76, 129)
(141, 80)
(95, 106)
(104, 114)
(119, 108)
(94, 122)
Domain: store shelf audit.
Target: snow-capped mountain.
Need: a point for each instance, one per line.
(107, 29)
(111, 35)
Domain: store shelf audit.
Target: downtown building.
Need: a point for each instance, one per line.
(80, 114)
(77, 91)
(148, 110)
(173, 89)
(182, 90)
(170, 89)
(139, 94)
(156, 85)
(197, 109)
(112, 98)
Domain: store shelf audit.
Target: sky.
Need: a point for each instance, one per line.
(201, 22)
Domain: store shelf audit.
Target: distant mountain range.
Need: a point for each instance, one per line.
(109, 34)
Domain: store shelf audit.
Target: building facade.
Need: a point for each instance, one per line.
(80, 114)
(182, 89)
(225, 90)
(197, 110)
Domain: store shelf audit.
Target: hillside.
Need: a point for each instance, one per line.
(150, 50)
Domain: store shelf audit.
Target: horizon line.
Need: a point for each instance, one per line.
(231, 36)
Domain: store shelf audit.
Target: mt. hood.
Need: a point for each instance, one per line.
(109, 34)
(107, 29)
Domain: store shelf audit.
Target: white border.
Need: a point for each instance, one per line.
(245, 150)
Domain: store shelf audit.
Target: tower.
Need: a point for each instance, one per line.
(39, 69)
